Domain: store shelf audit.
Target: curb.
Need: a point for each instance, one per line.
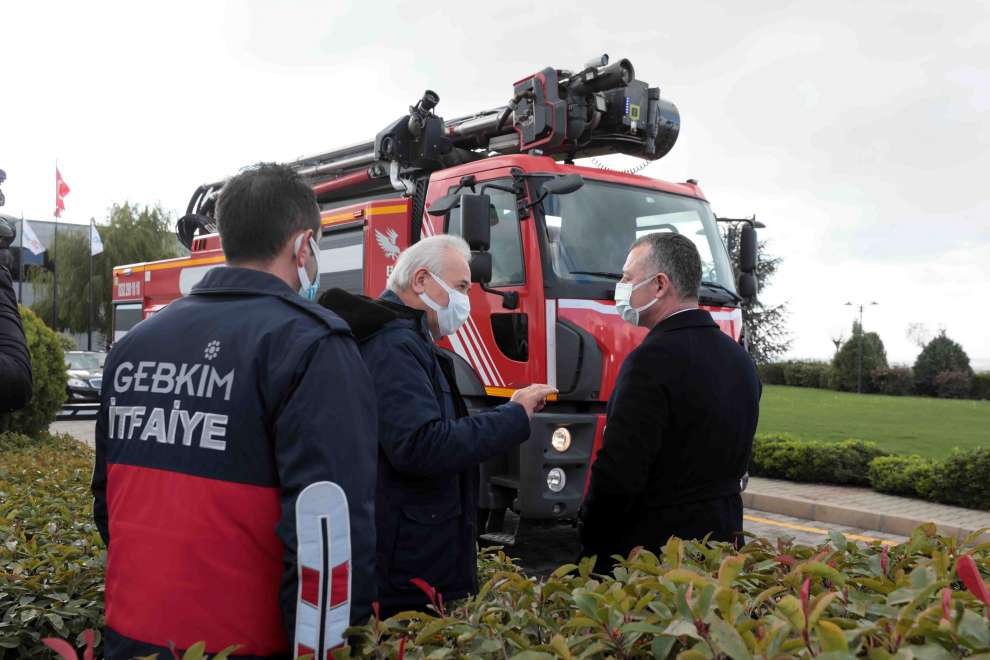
(846, 516)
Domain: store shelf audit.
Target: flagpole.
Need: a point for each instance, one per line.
(55, 259)
(89, 321)
(20, 266)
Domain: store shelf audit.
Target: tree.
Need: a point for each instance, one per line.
(132, 234)
(764, 326)
(846, 361)
(941, 354)
(918, 334)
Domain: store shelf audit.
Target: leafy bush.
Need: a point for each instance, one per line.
(981, 386)
(67, 342)
(893, 381)
(694, 600)
(48, 371)
(941, 354)
(50, 551)
(846, 361)
(805, 374)
(771, 373)
(953, 385)
(962, 479)
(786, 457)
(902, 475)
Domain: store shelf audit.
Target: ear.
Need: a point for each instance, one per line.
(418, 281)
(302, 254)
(665, 284)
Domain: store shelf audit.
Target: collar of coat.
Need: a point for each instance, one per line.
(233, 281)
(691, 318)
(367, 316)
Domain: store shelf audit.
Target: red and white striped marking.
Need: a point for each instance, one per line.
(323, 555)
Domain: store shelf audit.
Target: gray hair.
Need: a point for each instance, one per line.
(676, 256)
(428, 253)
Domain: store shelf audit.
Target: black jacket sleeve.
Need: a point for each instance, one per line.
(326, 431)
(15, 361)
(415, 437)
(99, 483)
(631, 443)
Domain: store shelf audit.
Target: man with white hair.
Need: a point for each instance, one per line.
(429, 448)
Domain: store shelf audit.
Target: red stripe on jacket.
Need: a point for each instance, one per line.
(193, 559)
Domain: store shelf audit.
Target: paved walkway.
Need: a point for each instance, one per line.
(861, 507)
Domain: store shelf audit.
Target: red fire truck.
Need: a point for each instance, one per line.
(549, 241)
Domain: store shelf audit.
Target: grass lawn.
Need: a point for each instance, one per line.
(909, 425)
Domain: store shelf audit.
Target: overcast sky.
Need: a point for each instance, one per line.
(858, 132)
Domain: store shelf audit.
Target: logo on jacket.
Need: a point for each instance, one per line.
(212, 350)
(389, 242)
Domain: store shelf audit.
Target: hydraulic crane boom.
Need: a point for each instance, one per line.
(600, 109)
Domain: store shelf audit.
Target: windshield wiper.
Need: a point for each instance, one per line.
(611, 276)
(719, 287)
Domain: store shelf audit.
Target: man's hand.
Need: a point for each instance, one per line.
(533, 398)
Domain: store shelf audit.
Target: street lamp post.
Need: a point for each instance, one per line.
(862, 332)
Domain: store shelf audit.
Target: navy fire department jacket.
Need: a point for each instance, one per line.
(236, 450)
(429, 453)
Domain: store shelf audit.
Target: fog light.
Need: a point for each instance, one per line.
(561, 440)
(556, 480)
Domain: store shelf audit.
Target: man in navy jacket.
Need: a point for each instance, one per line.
(430, 449)
(235, 451)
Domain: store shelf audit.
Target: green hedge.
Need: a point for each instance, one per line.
(786, 457)
(962, 479)
(893, 381)
(49, 374)
(51, 554)
(902, 475)
(981, 386)
(807, 374)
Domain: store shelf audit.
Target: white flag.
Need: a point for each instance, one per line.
(95, 242)
(30, 239)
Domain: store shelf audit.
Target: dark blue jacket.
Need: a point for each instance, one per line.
(216, 413)
(430, 450)
(677, 441)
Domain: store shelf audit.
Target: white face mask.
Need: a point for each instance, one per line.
(308, 288)
(457, 311)
(623, 295)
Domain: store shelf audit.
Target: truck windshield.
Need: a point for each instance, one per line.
(589, 231)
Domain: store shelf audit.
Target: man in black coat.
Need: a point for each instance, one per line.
(681, 418)
(15, 362)
(429, 448)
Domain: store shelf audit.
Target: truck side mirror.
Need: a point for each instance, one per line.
(481, 267)
(747, 286)
(747, 249)
(562, 185)
(476, 221)
(443, 205)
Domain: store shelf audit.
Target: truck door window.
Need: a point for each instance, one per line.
(342, 260)
(506, 247)
(125, 317)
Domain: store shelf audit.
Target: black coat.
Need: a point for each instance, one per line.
(429, 453)
(677, 441)
(15, 363)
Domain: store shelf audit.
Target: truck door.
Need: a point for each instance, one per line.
(497, 340)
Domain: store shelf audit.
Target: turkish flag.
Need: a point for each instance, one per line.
(61, 190)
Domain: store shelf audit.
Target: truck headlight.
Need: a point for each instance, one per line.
(556, 480)
(561, 440)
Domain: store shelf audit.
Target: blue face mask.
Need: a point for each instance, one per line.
(308, 288)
